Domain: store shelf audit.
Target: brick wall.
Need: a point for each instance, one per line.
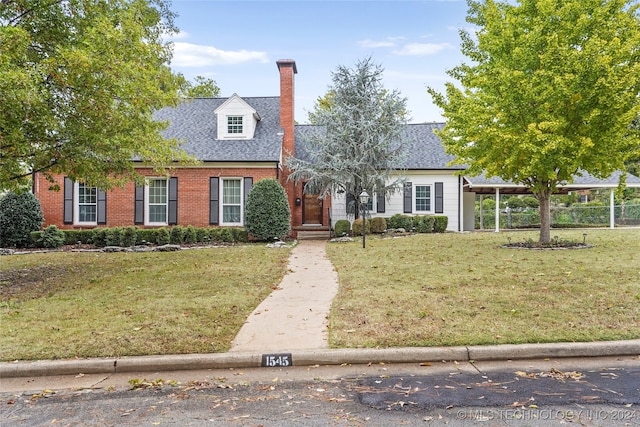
(193, 196)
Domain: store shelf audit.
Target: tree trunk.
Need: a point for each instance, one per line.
(545, 216)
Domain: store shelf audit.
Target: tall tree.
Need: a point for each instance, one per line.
(201, 87)
(79, 82)
(551, 92)
(358, 146)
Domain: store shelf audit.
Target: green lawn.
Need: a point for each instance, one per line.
(458, 289)
(421, 290)
(64, 305)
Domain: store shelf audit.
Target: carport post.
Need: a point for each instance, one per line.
(612, 210)
(497, 210)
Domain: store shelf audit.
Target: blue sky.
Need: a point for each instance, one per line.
(237, 43)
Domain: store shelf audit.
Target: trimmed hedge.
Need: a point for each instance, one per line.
(356, 227)
(378, 225)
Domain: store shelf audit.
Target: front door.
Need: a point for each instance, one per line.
(311, 210)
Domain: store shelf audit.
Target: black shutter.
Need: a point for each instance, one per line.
(407, 198)
(68, 201)
(380, 205)
(138, 211)
(173, 201)
(214, 190)
(248, 185)
(351, 204)
(102, 207)
(439, 198)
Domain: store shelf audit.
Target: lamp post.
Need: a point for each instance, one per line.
(364, 199)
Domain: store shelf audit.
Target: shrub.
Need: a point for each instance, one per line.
(342, 227)
(225, 235)
(202, 235)
(162, 236)
(267, 214)
(214, 234)
(356, 227)
(99, 237)
(72, 237)
(112, 236)
(378, 225)
(20, 214)
(440, 223)
(52, 237)
(400, 221)
(189, 234)
(128, 236)
(176, 235)
(424, 224)
(147, 235)
(239, 235)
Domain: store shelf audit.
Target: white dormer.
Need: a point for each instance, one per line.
(236, 119)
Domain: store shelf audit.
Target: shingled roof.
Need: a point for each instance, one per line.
(424, 149)
(194, 123)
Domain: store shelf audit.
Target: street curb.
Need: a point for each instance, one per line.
(180, 362)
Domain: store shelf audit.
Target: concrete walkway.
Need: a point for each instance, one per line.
(294, 316)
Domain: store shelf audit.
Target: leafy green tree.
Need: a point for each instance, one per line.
(551, 92)
(267, 212)
(201, 87)
(79, 82)
(360, 145)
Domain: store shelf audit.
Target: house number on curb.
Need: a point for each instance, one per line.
(273, 360)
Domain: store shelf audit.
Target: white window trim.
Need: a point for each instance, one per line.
(241, 135)
(146, 202)
(415, 199)
(76, 206)
(222, 204)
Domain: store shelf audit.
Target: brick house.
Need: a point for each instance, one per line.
(240, 140)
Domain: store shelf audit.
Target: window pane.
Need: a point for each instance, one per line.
(234, 124)
(231, 191)
(157, 213)
(423, 198)
(87, 213)
(231, 213)
(87, 203)
(158, 191)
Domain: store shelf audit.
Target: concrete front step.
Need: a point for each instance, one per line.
(314, 235)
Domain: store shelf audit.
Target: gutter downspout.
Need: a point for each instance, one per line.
(497, 210)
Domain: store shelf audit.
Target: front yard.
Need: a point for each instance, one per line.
(421, 290)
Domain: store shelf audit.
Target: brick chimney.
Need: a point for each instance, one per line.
(287, 69)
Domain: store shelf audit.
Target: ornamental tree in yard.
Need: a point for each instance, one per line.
(79, 82)
(267, 213)
(550, 92)
(358, 145)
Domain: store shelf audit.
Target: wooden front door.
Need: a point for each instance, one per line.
(311, 210)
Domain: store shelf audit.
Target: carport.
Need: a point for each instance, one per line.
(481, 185)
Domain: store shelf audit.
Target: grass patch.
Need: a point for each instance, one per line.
(463, 289)
(64, 305)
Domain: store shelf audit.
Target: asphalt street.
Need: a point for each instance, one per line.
(585, 391)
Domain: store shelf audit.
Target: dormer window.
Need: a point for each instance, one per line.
(234, 125)
(236, 119)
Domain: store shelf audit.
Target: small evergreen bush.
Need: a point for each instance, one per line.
(146, 235)
(52, 237)
(72, 237)
(342, 227)
(440, 223)
(176, 235)
(424, 224)
(20, 214)
(356, 227)
(240, 235)
(128, 237)
(225, 235)
(378, 225)
(400, 221)
(113, 236)
(162, 236)
(267, 213)
(99, 237)
(190, 235)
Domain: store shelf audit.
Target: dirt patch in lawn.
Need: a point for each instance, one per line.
(29, 283)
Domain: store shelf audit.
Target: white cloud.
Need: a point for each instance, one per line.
(389, 42)
(421, 49)
(193, 55)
